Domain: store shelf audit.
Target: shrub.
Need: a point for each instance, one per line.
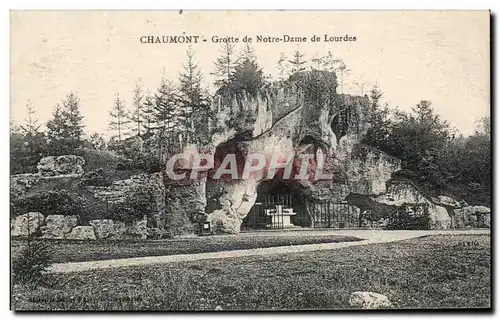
(33, 260)
(95, 178)
(136, 205)
(411, 217)
(48, 202)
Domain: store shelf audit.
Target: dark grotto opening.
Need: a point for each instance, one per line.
(279, 205)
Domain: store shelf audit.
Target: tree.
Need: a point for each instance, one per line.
(31, 125)
(137, 114)
(380, 125)
(65, 129)
(282, 66)
(342, 68)
(147, 114)
(248, 53)
(330, 63)
(248, 76)
(194, 101)
(164, 114)
(96, 141)
(298, 64)
(225, 65)
(119, 118)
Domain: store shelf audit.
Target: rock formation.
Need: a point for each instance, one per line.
(301, 115)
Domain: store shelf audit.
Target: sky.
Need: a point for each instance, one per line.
(442, 56)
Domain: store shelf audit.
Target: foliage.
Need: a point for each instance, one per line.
(27, 144)
(28, 267)
(195, 102)
(297, 63)
(224, 65)
(410, 217)
(119, 118)
(48, 202)
(96, 141)
(439, 160)
(138, 203)
(65, 129)
(95, 178)
(137, 116)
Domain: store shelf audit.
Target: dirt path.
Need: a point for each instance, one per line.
(370, 236)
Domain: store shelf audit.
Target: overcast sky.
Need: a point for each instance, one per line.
(413, 55)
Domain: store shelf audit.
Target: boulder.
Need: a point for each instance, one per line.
(440, 219)
(108, 229)
(61, 165)
(81, 233)
(472, 217)
(369, 300)
(56, 226)
(26, 224)
(481, 209)
(447, 202)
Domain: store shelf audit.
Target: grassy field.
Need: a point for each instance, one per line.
(72, 251)
(429, 272)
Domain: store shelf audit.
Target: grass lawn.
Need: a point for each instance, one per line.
(429, 272)
(72, 251)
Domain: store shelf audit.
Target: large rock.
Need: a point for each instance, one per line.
(302, 115)
(447, 202)
(119, 190)
(81, 233)
(440, 219)
(472, 217)
(61, 165)
(108, 229)
(369, 300)
(56, 226)
(26, 224)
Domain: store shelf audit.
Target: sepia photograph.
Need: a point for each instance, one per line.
(183, 160)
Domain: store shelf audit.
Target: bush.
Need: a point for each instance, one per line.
(95, 178)
(410, 217)
(136, 205)
(33, 260)
(48, 202)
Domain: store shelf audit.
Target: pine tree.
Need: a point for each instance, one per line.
(137, 114)
(165, 113)
(248, 53)
(28, 144)
(147, 114)
(194, 101)
(224, 65)
(31, 125)
(65, 130)
(119, 118)
(282, 66)
(330, 63)
(298, 64)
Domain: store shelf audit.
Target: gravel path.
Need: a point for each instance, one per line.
(370, 236)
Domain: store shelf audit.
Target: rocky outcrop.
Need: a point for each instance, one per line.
(61, 165)
(112, 229)
(108, 229)
(56, 226)
(303, 115)
(81, 233)
(472, 217)
(26, 224)
(369, 300)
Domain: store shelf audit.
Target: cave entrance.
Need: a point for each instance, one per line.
(278, 206)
